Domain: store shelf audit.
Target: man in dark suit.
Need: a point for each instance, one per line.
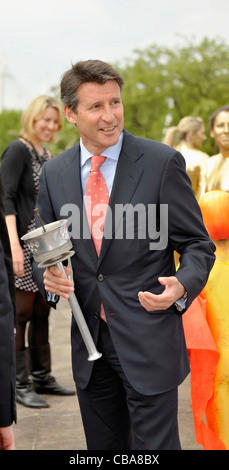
(7, 344)
(128, 397)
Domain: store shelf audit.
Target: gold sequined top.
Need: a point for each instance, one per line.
(218, 173)
(196, 167)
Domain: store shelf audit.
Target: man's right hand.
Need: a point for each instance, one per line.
(56, 282)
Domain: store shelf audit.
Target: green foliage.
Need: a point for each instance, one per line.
(162, 85)
(10, 125)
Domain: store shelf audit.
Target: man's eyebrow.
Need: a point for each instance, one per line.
(100, 101)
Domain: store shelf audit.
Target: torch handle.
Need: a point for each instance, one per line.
(80, 320)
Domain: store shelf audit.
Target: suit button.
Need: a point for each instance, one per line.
(97, 315)
(100, 277)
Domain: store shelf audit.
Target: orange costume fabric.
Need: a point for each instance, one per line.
(206, 326)
(203, 357)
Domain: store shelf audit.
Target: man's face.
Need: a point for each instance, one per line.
(220, 131)
(99, 116)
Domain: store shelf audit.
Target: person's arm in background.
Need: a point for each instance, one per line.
(16, 249)
(13, 165)
(7, 438)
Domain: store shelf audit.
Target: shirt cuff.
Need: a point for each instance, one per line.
(180, 304)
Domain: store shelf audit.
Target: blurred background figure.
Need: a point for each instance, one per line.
(7, 342)
(218, 165)
(206, 326)
(21, 165)
(215, 209)
(188, 137)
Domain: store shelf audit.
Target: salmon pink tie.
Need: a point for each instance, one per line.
(97, 199)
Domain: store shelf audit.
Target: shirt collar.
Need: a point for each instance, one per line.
(111, 152)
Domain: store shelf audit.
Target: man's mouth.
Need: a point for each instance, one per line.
(108, 129)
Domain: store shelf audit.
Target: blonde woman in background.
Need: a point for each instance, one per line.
(188, 137)
(21, 166)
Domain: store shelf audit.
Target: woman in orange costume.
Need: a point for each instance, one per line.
(209, 352)
(215, 210)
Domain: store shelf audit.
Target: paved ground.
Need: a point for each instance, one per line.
(59, 427)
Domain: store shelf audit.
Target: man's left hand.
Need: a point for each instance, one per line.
(174, 290)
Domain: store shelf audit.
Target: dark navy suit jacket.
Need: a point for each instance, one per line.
(150, 345)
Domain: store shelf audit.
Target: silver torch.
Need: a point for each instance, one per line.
(50, 245)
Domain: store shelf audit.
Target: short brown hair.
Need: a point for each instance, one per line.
(82, 72)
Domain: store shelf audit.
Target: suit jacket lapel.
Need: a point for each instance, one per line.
(128, 174)
(70, 176)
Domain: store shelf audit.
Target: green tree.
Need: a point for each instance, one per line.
(162, 85)
(10, 124)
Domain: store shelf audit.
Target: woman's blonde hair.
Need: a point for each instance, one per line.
(35, 111)
(177, 133)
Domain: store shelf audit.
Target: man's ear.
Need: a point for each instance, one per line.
(70, 114)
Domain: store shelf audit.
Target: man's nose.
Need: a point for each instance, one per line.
(108, 114)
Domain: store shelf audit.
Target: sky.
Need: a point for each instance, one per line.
(39, 40)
